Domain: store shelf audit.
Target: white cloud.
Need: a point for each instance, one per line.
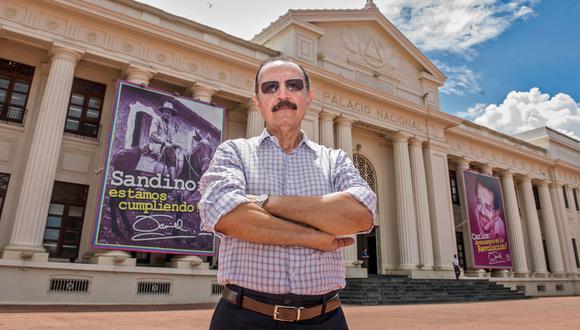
(455, 26)
(460, 80)
(522, 111)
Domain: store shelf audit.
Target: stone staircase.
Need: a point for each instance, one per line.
(399, 289)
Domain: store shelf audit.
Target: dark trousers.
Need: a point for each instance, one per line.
(228, 316)
(457, 271)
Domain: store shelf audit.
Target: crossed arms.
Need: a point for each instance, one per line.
(309, 221)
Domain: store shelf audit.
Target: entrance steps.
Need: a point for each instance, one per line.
(400, 289)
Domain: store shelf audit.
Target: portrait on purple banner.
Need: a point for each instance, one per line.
(487, 226)
(159, 146)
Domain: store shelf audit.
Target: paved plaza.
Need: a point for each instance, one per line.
(540, 313)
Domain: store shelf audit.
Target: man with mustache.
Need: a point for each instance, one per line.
(487, 209)
(281, 205)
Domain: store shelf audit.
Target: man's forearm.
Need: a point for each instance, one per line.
(336, 213)
(252, 223)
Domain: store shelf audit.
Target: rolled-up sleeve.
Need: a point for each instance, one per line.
(345, 177)
(222, 187)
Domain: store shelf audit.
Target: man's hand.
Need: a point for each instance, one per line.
(333, 243)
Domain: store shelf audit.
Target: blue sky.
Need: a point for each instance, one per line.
(512, 65)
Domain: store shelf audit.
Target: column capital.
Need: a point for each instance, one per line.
(507, 173)
(344, 121)
(250, 105)
(543, 184)
(416, 141)
(203, 92)
(326, 116)
(486, 169)
(138, 74)
(462, 163)
(65, 53)
(526, 179)
(400, 137)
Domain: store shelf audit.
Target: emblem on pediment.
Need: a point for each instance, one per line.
(370, 52)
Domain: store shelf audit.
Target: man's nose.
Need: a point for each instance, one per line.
(282, 92)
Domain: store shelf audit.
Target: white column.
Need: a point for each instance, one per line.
(139, 75)
(514, 228)
(255, 122)
(204, 94)
(406, 222)
(421, 204)
(344, 134)
(552, 240)
(534, 231)
(562, 226)
(40, 169)
(344, 142)
(440, 206)
(326, 128)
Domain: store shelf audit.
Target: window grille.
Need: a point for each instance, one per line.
(154, 288)
(217, 289)
(68, 285)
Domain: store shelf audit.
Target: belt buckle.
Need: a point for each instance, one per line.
(276, 312)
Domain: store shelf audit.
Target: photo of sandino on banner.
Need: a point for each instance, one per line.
(159, 147)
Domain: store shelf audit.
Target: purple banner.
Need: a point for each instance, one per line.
(159, 146)
(487, 226)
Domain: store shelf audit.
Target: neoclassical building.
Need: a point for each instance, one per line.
(376, 97)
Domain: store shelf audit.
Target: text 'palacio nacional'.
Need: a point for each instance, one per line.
(376, 96)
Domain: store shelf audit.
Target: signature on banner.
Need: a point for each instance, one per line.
(148, 227)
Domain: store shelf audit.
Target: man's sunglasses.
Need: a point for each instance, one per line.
(292, 85)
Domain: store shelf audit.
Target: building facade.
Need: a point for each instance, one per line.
(376, 97)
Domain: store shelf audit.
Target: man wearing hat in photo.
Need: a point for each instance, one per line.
(160, 139)
(281, 205)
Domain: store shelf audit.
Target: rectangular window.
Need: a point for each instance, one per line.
(565, 197)
(4, 178)
(575, 193)
(15, 81)
(576, 253)
(64, 223)
(537, 197)
(85, 107)
(453, 185)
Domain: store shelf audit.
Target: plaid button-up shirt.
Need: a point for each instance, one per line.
(259, 166)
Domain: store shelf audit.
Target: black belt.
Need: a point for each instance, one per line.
(280, 312)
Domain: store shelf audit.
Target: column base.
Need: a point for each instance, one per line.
(502, 273)
(112, 257)
(558, 275)
(28, 255)
(540, 275)
(477, 273)
(187, 262)
(521, 274)
(354, 270)
(424, 273)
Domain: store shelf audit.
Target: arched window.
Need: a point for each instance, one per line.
(367, 172)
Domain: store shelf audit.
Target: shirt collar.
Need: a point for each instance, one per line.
(305, 140)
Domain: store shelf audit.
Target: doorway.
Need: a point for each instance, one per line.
(369, 242)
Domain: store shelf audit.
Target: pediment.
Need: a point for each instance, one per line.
(359, 45)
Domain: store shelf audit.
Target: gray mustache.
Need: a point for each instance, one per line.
(284, 104)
